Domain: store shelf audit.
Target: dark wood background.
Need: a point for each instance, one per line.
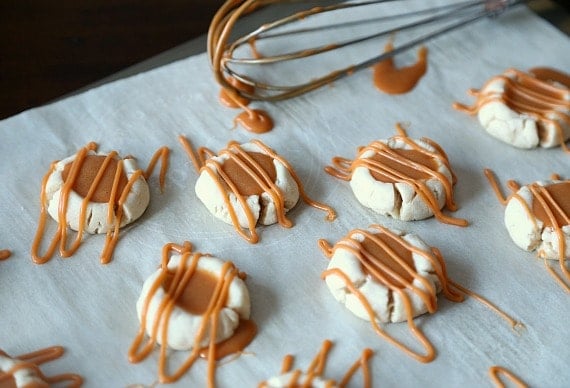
(52, 47)
(49, 48)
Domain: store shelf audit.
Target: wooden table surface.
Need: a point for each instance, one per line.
(52, 48)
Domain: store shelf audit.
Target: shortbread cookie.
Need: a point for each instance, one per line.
(407, 179)
(93, 192)
(193, 302)
(537, 218)
(525, 110)
(248, 184)
(24, 372)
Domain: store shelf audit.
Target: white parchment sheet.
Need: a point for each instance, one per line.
(90, 309)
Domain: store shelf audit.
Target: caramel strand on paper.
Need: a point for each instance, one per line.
(495, 372)
(96, 178)
(5, 254)
(412, 166)
(551, 205)
(317, 367)
(209, 303)
(250, 167)
(33, 361)
(392, 80)
(532, 94)
(386, 257)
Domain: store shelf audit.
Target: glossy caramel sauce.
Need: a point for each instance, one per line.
(496, 371)
(234, 100)
(386, 257)
(532, 94)
(393, 80)
(32, 361)
(5, 254)
(317, 367)
(96, 178)
(551, 205)
(249, 173)
(414, 166)
(255, 120)
(182, 288)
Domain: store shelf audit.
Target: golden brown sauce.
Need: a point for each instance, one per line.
(413, 166)
(255, 120)
(317, 367)
(389, 271)
(257, 173)
(111, 185)
(88, 171)
(529, 95)
(496, 370)
(244, 334)
(5, 254)
(392, 80)
(177, 286)
(244, 182)
(551, 205)
(234, 100)
(551, 75)
(32, 361)
(190, 300)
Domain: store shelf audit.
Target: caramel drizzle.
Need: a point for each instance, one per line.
(497, 370)
(5, 254)
(392, 80)
(552, 210)
(394, 282)
(186, 268)
(343, 169)
(528, 95)
(114, 206)
(317, 366)
(33, 360)
(202, 161)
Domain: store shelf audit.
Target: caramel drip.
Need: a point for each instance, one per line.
(245, 184)
(550, 204)
(161, 154)
(253, 120)
(243, 335)
(5, 254)
(235, 100)
(317, 366)
(180, 281)
(392, 80)
(551, 75)
(387, 275)
(528, 95)
(32, 361)
(413, 166)
(497, 370)
(257, 174)
(115, 194)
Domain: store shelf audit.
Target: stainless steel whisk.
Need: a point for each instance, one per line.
(222, 47)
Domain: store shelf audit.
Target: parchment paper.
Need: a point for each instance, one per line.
(90, 308)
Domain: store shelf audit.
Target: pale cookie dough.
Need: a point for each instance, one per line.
(96, 218)
(399, 199)
(528, 231)
(183, 326)
(262, 207)
(387, 305)
(521, 116)
(23, 376)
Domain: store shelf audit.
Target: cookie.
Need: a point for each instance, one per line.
(193, 302)
(24, 371)
(407, 179)
(248, 184)
(525, 109)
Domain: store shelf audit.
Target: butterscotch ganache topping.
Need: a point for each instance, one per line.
(24, 371)
(248, 184)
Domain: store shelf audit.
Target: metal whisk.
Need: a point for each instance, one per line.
(238, 57)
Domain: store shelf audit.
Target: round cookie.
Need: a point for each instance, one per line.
(247, 182)
(22, 373)
(525, 110)
(190, 306)
(390, 269)
(96, 217)
(536, 216)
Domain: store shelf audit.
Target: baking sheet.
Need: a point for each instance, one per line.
(90, 309)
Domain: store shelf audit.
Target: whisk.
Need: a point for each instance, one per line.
(223, 49)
